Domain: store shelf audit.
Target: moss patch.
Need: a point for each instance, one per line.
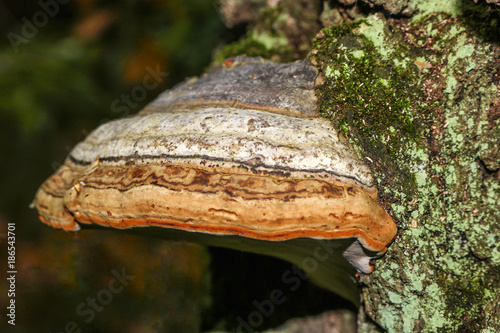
(415, 100)
(368, 96)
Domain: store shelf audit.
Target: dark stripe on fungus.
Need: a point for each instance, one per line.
(271, 169)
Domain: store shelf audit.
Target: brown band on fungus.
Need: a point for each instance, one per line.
(261, 207)
(188, 106)
(219, 165)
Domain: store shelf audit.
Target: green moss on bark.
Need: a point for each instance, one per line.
(281, 31)
(368, 96)
(419, 102)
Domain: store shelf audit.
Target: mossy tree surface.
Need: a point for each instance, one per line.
(419, 100)
(282, 31)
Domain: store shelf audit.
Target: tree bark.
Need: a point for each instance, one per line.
(417, 94)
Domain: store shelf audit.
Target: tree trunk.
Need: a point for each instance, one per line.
(418, 97)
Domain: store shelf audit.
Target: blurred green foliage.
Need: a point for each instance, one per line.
(60, 76)
(90, 52)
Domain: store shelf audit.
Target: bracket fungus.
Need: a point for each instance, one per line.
(237, 158)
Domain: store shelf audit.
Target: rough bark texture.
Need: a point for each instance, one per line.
(419, 98)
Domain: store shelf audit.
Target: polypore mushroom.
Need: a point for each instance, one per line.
(236, 158)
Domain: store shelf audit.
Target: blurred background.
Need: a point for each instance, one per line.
(66, 67)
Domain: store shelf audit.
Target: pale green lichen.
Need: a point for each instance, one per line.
(434, 277)
(374, 31)
(358, 54)
(269, 41)
(451, 85)
(426, 7)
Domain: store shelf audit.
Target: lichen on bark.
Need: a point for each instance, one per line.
(418, 99)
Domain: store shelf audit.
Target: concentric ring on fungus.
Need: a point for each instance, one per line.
(236, 158)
